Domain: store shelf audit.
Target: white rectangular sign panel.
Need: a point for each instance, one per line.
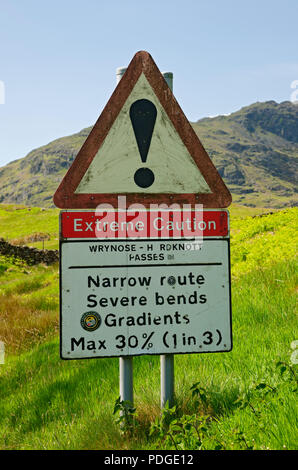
(144, 296)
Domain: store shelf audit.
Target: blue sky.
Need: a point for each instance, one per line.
(58, 59)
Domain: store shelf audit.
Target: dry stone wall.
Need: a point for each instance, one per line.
(29, 254)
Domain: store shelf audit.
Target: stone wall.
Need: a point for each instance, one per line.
(29, 254)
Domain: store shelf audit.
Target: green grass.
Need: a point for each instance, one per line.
(38, 227)
(49, 403)
(261, 241)
(30, 225)
(29, 304)
(18, 223)
(250, 401)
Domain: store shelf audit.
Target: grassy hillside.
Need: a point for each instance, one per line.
(31, 226)
(254, 149)
(243, 399)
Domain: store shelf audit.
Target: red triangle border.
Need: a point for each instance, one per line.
(65, 196)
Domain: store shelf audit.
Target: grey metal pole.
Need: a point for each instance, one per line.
(120, 72)
(125, 362)
(167, 360)
(168, 76)
(166, 380)
(126, 378)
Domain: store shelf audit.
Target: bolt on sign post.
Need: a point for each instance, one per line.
(144, 235)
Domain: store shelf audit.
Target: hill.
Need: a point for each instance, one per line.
(255, 150)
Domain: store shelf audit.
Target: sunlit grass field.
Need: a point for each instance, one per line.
(244, 399)
(31, 226)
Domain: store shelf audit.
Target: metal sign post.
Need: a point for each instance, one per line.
(125, 362)
(167, 360)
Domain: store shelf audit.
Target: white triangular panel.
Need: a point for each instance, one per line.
(113, 167)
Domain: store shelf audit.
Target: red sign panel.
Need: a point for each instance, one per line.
(144, 224)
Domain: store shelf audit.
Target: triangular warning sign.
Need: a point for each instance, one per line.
(142, 146)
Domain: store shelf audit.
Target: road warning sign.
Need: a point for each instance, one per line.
(143, 147)
(135, 296)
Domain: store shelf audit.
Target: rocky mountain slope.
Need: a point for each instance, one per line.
(255, 150)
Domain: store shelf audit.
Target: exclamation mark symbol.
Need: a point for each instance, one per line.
(143, 116)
